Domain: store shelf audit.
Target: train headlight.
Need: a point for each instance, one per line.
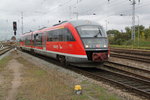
(105, 45)
(86, 46)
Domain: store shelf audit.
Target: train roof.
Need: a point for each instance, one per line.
(76, 23)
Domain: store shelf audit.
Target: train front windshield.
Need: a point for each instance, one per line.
(93, 36)
(91, 31)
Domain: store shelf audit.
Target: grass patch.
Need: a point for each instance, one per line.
(39, 72)
(37, 84)
(98, 92)
(80, 97)
(130, 47)
(4, 61)
(142, 44)
(6, 74)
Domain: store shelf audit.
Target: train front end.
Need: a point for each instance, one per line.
(95, 42)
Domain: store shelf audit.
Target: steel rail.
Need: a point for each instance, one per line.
(129, 51)
(131, 57)
(129, 70)
(4, 50)
(124, 81)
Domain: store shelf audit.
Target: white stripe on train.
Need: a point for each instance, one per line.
(65, 54)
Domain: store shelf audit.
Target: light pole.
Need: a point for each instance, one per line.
(133, 20)
(76, 13)
(70, 12)
(22, 21)
(107, 22)
(77, 9)
(138, 30)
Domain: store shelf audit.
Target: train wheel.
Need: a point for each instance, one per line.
(62, 60)
(32, 52)
(22, 49)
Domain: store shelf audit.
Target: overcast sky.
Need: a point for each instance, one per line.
(44, 13)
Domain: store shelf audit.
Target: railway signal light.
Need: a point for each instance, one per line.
(14, 26)
(14, 32)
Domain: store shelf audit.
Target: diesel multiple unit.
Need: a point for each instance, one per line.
(79, 42)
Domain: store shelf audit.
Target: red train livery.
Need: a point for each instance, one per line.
(79, 42)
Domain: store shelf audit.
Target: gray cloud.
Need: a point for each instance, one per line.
(41, 13)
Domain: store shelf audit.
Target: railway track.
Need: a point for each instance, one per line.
(137, 85)
(131, 57)
(137, 55)
(128, 70)
(131, 84)
(4, 50)
(129, 51)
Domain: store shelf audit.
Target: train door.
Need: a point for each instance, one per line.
(32, 40)
(44, 39)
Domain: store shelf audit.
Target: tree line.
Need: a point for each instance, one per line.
(124, 38)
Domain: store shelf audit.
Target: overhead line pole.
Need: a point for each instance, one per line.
(22, 22)
(133, 18)
(138, 30)
(77, 9)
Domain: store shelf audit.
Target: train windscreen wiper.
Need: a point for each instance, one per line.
(99, 32)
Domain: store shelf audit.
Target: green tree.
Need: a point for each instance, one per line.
(141, 29)
(128, 30)
(109, 32)
(147, 33)
(121, 38)
(111, 35)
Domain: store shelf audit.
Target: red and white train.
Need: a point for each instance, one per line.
(79, 42)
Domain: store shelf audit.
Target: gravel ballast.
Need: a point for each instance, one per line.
(79, 78)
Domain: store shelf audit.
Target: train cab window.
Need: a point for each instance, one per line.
(93, 36)
(91, 31)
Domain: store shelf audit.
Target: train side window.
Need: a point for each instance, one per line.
(60, 35)
(27, 40)
(50, 36)
(56, 35)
